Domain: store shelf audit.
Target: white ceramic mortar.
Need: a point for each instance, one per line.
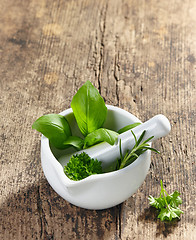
(105, 190)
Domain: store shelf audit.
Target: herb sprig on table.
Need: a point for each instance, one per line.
(167, 204)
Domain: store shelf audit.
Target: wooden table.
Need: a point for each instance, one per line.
(141, 55)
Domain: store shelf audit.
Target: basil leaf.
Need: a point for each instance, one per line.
(89, 108)
(128, 127)
(55, 127)
(74, 141)
(100, 135)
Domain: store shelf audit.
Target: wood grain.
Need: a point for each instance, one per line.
(141, 55)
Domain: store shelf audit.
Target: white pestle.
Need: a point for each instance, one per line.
(158, 126)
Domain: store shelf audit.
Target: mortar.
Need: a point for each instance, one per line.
(105, 190)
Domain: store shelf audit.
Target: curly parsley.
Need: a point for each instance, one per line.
(81, 166)
(167, 204)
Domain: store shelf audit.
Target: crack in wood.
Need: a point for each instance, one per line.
(43, 222)
(102, 27)
(116, 69)
(118, 221)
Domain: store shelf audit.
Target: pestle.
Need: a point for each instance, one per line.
(158, 126)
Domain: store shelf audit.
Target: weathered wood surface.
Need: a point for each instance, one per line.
(141, 55)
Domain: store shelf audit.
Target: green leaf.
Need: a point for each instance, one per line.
(140, 138)
(55, 127)
(100, 135)
(158, 203)
(167, 214)
(136, 142)
(152, 149)
(74, 141)
(136, 151)
(173, 199)
(167, 204)
(89, 108)
(81, 166)
(128, 127)
(147, 140)
(129, 161)
(176, 211)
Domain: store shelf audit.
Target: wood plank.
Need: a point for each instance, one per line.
(155, 75)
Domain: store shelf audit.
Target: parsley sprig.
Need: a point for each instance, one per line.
(81, 166)
(167, 204)
(131, 155)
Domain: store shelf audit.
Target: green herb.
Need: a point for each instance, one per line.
(167, 204)
(74, 141)
(135, 152)
(128, 127)
(100, 135)
(89, 108)
(81, 166)
(55, 127)
(90, 113)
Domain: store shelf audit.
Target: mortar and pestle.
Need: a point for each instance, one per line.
(101, 191)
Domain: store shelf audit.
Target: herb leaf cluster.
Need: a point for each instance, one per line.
(90, 113)
(131, 155)
(167, 204)
(55, 127)
(89, 109)
(77, 167)
(81, 166)
(98, 135)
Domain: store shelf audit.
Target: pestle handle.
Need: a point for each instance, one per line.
(158, 126)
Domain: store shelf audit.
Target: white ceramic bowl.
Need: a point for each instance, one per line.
(96, 191)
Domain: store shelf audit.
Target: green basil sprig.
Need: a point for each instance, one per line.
(89, 109)
(100, 135)
(56, 128)
(90, 113)
(74, 141)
